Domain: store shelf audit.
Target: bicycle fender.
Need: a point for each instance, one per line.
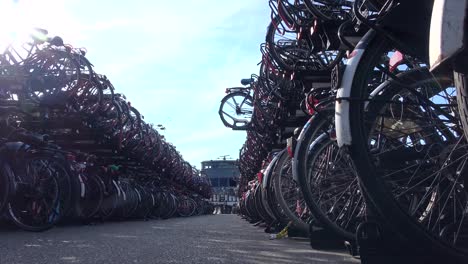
(269, 169)
(300, 140)
(447, 35)
(342, 123)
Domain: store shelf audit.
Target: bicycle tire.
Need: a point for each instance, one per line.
(222, 112)
(273, 51)
(259, 206)
(111, 203)
(314, 142)
(461, 83)
(382, 201)
(91, 198)
(281, 173)
(270, 195)
(6, 183)
(59, 195)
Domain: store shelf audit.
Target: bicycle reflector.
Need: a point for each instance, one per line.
(395, 61)
(312, 102)
(352, 54)
(71, 157)
(332, 134)
(260, 176)
(289, 147)
(298, 208)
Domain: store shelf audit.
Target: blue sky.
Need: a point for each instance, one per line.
(172, 59)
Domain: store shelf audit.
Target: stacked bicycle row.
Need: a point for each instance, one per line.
(350, 131)
(73, 149)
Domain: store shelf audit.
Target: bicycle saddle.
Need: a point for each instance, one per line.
(246, 81)
(56, 41)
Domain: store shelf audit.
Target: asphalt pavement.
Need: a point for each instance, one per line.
(202, 239)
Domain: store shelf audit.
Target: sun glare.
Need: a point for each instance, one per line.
(16, 23)
(20, 17)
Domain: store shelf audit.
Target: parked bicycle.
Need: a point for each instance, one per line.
(350, 107)
(72, 149)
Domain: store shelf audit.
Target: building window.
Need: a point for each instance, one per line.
(223, 182)
(232, 183)
(214, 182)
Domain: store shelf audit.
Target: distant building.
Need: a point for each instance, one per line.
(223, 175)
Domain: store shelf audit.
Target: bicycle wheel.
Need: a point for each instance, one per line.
(288, 194)
(410, 153)
(171, 206)
(185, 207)
(157, 207)
(146, 202)
(54, 75)
(236, 110)
(88, 99)
(461, 82)
(252, 212)
(6, 183)
(110, 205)
(261, 206)
(327, 179)
(269, 192)
(131, 200)
(91, 196)
(292, 55)
(38, 202)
